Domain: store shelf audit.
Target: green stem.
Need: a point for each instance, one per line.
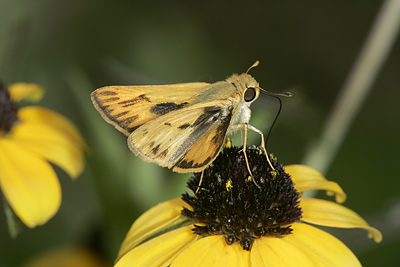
(356, 88)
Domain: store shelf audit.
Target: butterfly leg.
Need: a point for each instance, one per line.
(246, 125)
(201, 180)
(262, 144)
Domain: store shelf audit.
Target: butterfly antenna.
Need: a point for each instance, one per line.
(253, 66)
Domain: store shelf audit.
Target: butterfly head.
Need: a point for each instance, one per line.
(251, 89)
(246, 86)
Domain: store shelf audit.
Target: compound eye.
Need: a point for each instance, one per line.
(250, 94)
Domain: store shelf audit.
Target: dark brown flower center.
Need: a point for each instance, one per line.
(229, 203)
(8, 110)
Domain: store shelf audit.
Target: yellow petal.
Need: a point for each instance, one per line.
(327, 213)
(152, 221)
(273, 251)
(27, 91)
(52, 144)
(29, 184)
(49, 117)
(212, 251)
(322, 248)
(159, 251)
(307, 178)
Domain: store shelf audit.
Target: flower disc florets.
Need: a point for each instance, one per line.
(8, 110)
(228, 201)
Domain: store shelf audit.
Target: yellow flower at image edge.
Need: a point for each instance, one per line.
(232, 222)
(30, 138)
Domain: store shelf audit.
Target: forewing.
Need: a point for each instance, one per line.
(197, 131)
(129, 107)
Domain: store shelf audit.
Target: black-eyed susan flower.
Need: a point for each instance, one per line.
(233, 221)
(30, 138)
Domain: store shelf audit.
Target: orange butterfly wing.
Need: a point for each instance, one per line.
(129, 107)
(187, 140)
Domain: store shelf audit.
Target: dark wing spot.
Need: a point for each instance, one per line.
(167, 124)
(107, 93)
(154, 150)
(130, 102)
(222, 128)
(131, 129)
(163, 108)
(209, 115)
(184, 126)
(123, 122)
(186, 164)
(183, 164)
(143, 98)
(151, 144)
(190, 164)
(206, 162)
(130, 120)
(116, 116)
(163, 154)
(111, 99)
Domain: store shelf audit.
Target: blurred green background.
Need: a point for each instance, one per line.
(307, 47)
